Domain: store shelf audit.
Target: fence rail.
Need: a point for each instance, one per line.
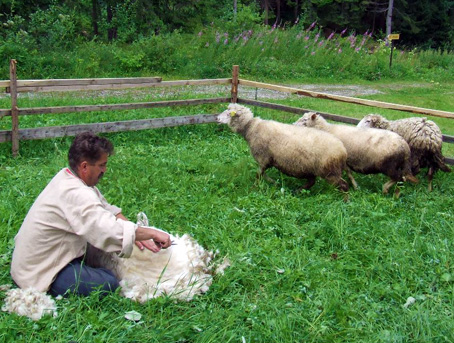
(14, 86)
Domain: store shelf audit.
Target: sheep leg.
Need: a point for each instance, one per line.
(430, 176)
(352, 179)
(388, 185)
(310, 182)
(261, 173)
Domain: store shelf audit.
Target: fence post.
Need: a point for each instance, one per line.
(234, 92)
(14, 108)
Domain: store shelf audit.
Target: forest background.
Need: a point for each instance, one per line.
(203, 38)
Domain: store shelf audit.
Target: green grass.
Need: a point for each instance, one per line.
(306, 267)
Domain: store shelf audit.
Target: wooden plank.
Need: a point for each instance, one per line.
(448, 139)
(94, 87)
(234, 90)
(372, 103)
(14, 108)
(4, 113)
(449, 160)
(128, 106)
(301, 111)
(298, 111)
(87, 82)
(119, 126)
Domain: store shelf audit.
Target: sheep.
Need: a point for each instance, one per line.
(369, 151)
(181, 271)
(423, 136)
(295, 151)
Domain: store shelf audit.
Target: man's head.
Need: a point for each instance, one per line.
(88, 156)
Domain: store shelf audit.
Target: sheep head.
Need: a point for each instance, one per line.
(309, 119)
(235, 116)
(374, 121)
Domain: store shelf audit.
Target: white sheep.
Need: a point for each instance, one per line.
(369, 151)
(180, 271)
(423, 136)
(300, 152)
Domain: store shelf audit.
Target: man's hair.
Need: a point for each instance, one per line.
(88, 147)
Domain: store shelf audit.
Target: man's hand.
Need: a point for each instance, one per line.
(150, 245)
(152, 239)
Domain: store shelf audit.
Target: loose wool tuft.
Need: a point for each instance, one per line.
(30, 303)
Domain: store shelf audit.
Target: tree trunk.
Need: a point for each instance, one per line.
(278, 12)
(295, 13)
(266, 8)
(111, 31)
(94, 16)
(389, 18)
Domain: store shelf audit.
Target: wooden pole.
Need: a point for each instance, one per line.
(234, 92)
(14, 108)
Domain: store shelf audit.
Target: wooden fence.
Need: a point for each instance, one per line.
(15, 86)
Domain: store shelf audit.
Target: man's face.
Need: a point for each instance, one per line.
(91, 173)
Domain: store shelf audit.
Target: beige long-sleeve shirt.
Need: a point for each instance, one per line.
(65, 216)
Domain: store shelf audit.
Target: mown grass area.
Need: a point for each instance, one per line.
(306, 267)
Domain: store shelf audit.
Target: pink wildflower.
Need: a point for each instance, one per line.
(311, 26)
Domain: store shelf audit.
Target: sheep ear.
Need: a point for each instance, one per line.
(313, 116)
(233, 113)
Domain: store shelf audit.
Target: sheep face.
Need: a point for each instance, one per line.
(372, 121)
(236, 117)
(225, 117)
(309, 119)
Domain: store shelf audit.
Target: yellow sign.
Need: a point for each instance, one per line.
(394, 36)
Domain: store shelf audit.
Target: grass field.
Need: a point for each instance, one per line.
(306, 267)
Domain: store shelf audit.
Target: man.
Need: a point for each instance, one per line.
(69, 213)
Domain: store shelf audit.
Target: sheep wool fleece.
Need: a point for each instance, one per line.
(66, 216)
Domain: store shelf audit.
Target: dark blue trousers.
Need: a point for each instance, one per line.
(78, 278)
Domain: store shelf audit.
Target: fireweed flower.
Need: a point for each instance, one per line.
(226, 41)
(316, 37)
(321, 43)
(331, 36)
(306, 38)
(200, 34)
(311, 26)
(343, 31)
